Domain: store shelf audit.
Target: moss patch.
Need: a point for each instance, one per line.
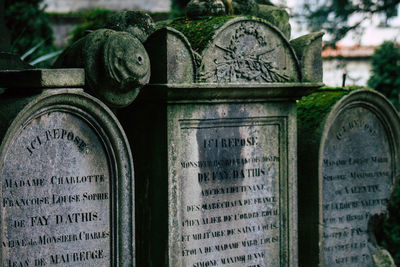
(312, 109)
(199, 32)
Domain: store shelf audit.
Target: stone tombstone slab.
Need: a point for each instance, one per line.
(358, 162)
(230, 209)
(66, 177)
(217, 151)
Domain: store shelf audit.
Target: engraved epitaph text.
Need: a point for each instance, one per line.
(230, 200)
(357, 182)
(56, 194)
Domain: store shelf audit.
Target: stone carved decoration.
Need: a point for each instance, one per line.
(199, 8)
(116, 65)
(254, 54)
(278, 16)
(137, 23)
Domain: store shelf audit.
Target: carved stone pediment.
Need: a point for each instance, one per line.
(248, 51)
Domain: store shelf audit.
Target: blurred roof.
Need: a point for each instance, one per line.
(355, 51)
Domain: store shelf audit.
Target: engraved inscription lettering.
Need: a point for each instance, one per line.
(56, 195)
(230, 202)
(357, 179)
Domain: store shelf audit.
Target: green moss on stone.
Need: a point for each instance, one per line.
(312, 109)
(200, 32)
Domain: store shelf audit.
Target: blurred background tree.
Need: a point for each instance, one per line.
(385, 76)
(338, 17)
(178, 7)
(29, 28)
(92, 20)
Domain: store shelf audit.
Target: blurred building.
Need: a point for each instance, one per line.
(351, 58)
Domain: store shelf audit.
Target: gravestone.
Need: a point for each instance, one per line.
(66, 174)
(348, 165)
(214, 143)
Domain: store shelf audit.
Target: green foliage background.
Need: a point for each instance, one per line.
(390, 235)
(334, 15)
(386, 71)
(178, 7)
(28, 25)
(92, 20)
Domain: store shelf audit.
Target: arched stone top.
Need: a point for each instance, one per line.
(374, 104)
(175, 62)
(248, 50)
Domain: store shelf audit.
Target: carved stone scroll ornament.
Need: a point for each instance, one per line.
(116, 65)
(248, 56)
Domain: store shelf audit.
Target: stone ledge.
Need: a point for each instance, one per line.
(216, 92)
(42, 78)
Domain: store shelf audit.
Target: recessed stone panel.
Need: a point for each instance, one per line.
(230, 206)
(56, 194)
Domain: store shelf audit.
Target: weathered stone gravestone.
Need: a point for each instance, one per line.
(348, 164)
(66, 174)
(214, 143)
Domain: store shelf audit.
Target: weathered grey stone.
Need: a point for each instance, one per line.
(201, 8)
(116, 65)
(217, 156)
(137, 23)
(220, 176)
(65, 163)
(245, 7)
(248, 51)
(277, 16)
(177, 65)
(348, 164)
(308, 50)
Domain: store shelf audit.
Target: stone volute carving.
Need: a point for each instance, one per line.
(115, 61)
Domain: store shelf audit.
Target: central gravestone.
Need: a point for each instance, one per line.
(66, 177)
(342, 190)
(228, 209)
(217, 145)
